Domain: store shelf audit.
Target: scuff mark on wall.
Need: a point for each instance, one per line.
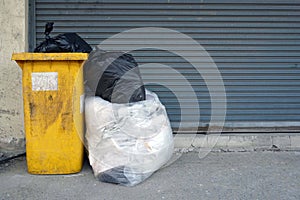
(9, 112)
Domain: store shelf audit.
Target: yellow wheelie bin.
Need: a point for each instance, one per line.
(53, 96)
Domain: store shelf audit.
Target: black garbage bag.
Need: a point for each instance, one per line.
(115, 175)
(66, 42)
(114, 76)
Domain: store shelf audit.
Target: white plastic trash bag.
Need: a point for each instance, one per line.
(126, 143)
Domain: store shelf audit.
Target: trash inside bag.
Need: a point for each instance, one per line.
(127, 143)
(66, 42)
(114, 76)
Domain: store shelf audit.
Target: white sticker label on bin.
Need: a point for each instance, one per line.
(44, 81)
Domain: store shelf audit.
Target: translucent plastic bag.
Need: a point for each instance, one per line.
(127, 142)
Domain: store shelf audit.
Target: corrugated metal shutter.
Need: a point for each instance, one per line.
(255, 44)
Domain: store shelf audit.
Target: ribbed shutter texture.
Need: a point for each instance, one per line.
(254, 43)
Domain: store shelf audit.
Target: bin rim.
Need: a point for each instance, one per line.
(49, 56)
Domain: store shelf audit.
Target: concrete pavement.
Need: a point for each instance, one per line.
(220, 175)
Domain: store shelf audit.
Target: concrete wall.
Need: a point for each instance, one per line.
(13, 38)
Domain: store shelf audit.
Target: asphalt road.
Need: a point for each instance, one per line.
(220, 175)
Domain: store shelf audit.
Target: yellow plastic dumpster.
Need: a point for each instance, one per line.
(53, 96)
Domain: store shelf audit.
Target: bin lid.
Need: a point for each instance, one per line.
(50, 56)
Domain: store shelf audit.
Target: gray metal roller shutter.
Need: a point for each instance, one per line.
(255, 44)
